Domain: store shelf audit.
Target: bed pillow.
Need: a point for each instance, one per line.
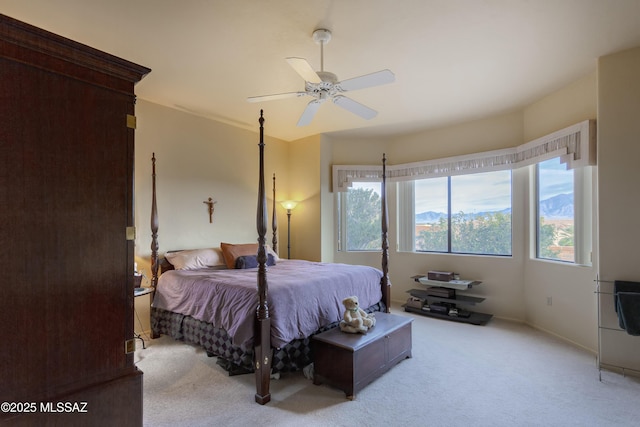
(196, 258)
(251, 261)
(231, 252)
(273, 253)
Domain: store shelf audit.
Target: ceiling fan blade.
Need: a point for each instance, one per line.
(276, 96)
(309, 112)
(305, 69)
(368, 80)
(354, 107)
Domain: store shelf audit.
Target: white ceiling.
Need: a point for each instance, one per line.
(454, 60)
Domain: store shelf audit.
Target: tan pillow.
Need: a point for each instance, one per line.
(231, 252)
(196, 258)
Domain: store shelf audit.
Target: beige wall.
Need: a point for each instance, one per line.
(567, 106)
(572, 312)
(327, 202)
(306, 227)
(619, 201)
(196, 159)
(487, 134)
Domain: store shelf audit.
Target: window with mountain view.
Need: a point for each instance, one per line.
(555, 211)
(465, 214)
(463, 205)
(472, 214)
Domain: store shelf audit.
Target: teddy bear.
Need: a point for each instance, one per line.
(355, 319)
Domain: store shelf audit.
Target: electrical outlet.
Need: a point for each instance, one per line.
(129, 346)
(549, 301)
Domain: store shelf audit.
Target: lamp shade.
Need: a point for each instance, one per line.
(289, 204)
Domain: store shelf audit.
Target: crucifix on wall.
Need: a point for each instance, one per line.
(210, 208)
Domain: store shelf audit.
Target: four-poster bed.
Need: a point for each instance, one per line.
(265, 331)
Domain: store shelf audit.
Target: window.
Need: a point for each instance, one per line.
(563, 212)
(465, 214)
(360, 223)
(555, 211)
(463, 204)
(431, 212)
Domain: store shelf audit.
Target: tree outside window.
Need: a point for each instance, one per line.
(363, 217)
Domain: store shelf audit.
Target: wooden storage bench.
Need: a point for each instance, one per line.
(351, 361)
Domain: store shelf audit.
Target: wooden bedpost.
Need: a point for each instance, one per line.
(385, 284)
(274, 218)
(262, 337)
(154, 225)
(154, 232)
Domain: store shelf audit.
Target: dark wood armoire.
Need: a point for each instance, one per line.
(66, 245)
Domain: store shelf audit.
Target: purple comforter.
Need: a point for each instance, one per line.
(303, 296)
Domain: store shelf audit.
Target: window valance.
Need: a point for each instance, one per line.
(575, 145)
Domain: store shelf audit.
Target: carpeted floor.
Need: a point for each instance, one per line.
(501, 374)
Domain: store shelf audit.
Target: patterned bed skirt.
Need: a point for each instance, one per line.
(235, 359)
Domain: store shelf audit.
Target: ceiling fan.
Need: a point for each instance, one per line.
(323, 85)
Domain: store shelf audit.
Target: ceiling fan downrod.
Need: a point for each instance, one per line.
(322, 36)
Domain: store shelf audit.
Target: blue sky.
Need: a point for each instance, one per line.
(555, 179)
(480, 192)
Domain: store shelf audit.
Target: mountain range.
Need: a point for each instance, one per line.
(556, 207)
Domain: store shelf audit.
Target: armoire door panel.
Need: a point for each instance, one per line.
(66, 200)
